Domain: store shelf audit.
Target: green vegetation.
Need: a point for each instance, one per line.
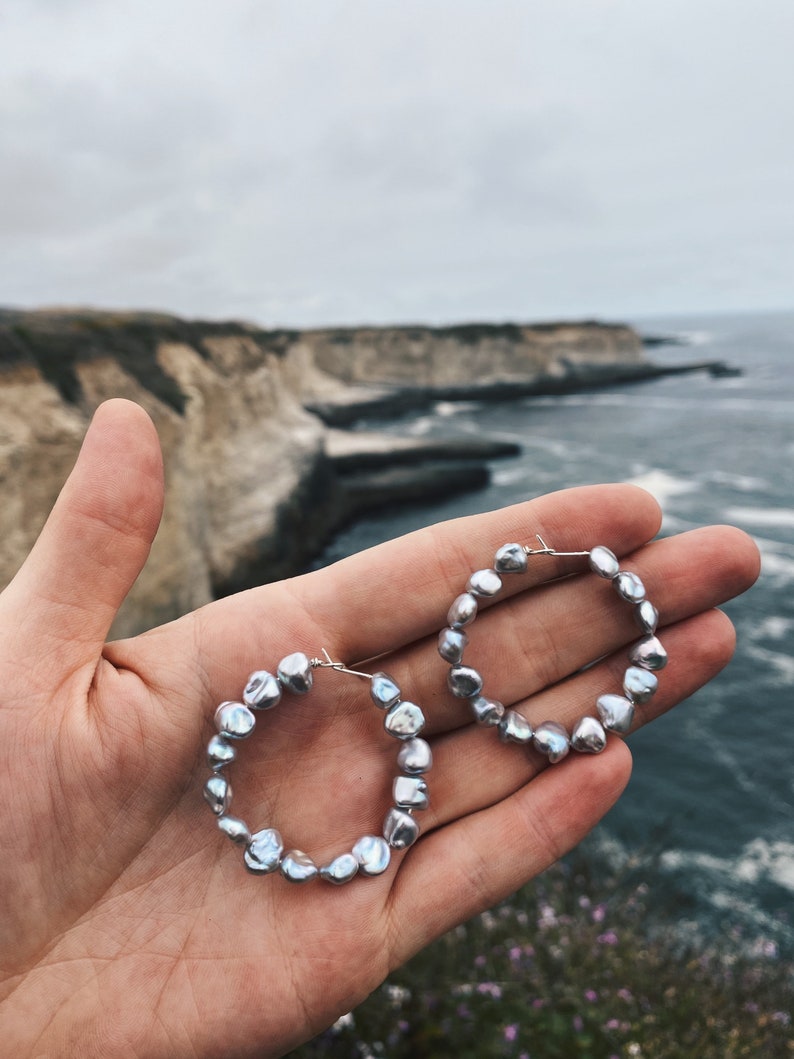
(554, 974)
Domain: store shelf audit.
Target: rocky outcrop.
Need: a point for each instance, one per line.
(254, 480)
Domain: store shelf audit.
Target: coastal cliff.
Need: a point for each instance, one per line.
(254, 479)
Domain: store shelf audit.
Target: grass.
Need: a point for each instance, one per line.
(554, 973)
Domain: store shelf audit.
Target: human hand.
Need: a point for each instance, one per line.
(128, 924)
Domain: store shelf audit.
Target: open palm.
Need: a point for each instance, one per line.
(128, 924)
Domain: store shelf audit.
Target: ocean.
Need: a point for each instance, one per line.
(710, 804)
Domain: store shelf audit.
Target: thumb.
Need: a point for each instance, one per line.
(59, 608)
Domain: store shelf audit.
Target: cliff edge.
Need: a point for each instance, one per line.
(252, 480)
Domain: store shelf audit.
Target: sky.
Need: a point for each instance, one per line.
(310, 162)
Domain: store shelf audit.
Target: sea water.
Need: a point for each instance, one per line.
(711, 798)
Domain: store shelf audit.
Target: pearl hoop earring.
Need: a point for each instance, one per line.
(264, 850)
(615, 712)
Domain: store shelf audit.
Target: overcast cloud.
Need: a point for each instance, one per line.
(320, 161)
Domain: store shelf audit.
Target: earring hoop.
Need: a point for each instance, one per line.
(264, 850)
(615, 712)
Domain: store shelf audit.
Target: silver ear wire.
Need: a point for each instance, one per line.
(339, 667)
(544, 549)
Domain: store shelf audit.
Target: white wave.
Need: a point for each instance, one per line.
(773, 627)
(697, 338)
(510, 476)
(742, 483)
(781, 664)
(446, 409)
(662, 485)
(760, 860)
(421, 426)
(775, 564)
(561, 449)
(762, 516)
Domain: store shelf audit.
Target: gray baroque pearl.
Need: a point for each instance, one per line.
(340, 870)
(237, 830)
(510, 559)
(629, 587)
(639, 684)
(646, 616)
(219, 753)
(464, 682)
(649, 654)
(262, 692)
(295, 673)
(616, 713)
(383, 690)
(263, 852)
(415, 757)
(298, 867)
(373, 854)
(451, 644)
(588, 736)
(400, 829)
(513, 728)
(487, 712)
(484, 583)
(604, 562)
(463, 611)
(551, 739)
(404, 721)
(218, 793)
(410, 792)
(234, 721)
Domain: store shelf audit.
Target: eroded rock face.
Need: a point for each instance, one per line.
(454, 356)
(250, 491)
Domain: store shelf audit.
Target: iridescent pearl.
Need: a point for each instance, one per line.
(234, 721)
(604, 562)
(588, 736)
(484, 583)
(373, 854)
(451, 643)
(218, 793)
(295, 673)
(219, 753)
(649, 654)
(463, 611)
(510, 559)
(415, 757)
(487, 712)
(298, 867)
(340, 870)
(400, 829)
(464, 682)
(262, 692)
(551, 739)
(264, 851)
(410, 792)
(629, 587)
(237, 830)
(616, 713)
(513, 728)
(383, 690)
(646, 616)
(404, 721)
(639, 684)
